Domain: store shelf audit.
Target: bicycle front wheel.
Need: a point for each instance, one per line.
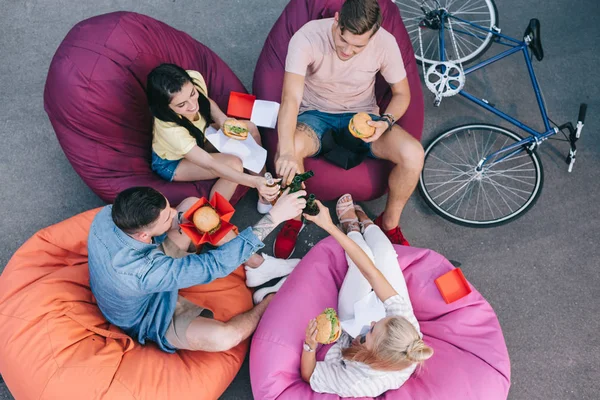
(429, 16)
(502, 190)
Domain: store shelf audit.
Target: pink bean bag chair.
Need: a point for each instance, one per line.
(96, 102)
(368, 180)
(470, 360)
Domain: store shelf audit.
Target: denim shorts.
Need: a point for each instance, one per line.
(320, 122)
(164, 168)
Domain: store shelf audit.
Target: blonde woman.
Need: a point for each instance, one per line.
(366, 360)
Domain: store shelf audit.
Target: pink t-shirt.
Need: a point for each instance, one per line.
(336, 86)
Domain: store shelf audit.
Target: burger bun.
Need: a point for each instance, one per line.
(359, 127)
(206, 219)
(325, 327)
(235, 129)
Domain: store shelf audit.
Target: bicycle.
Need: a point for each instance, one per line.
(478, 174)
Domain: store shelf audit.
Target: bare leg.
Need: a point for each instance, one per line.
(306, 144)
(210, 335)
(188, 171)
(399, 147)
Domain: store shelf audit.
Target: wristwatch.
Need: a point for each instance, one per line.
(308, 348)
(389, 118)
(179, 219)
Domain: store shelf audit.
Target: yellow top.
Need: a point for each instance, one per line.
(171, 141)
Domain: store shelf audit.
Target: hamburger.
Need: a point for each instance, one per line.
(206, 219)
(359, 127)
(235, 129)
(328, 327)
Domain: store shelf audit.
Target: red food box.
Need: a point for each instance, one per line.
(225, 211)
(240, 105)
(453, 285)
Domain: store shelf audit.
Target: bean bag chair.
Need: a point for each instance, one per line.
(55, 343)
(470, 360)
(95, 99)
(368, 180)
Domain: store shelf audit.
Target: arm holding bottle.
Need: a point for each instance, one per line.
(383, 289)
(286, 164)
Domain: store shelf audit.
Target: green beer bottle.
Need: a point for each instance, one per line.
(311, 205)
(298, 179)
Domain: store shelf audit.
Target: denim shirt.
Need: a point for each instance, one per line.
(136, 284)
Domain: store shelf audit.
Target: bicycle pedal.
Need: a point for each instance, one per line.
(571, 160)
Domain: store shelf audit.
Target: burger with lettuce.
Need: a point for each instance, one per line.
(328, 326)
(235, 129)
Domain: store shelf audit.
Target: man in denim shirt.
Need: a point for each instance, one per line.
(135, 279)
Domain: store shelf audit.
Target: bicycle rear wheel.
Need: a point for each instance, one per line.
(503, 190)
(429, 15)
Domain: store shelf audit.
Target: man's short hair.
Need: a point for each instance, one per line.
(360, 16)
(137, 207)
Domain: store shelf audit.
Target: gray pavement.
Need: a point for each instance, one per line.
(540, 273)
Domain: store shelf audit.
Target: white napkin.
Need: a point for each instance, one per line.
(367, 309)
(264, 113)
(252, 155)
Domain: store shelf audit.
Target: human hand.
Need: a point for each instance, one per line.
(269, 193)
(311, 334)
(288, 206)
(322, 219)
(252, 128)
(287, 167)
(380, 127)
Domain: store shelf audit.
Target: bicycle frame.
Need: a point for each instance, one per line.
(515, 46)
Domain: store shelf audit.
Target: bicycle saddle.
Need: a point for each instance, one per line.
(533, 31)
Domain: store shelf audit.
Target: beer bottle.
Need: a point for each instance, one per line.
(296, 184)
(271, 183)
(270, 180)
(312, 208)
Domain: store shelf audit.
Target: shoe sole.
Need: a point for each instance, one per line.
(294, 249)
(268, 290)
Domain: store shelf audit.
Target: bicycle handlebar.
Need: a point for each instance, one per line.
(582, 111)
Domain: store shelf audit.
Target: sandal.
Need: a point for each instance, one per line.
(367, 222)
(343, 205)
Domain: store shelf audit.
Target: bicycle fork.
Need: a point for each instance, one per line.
(574, 134)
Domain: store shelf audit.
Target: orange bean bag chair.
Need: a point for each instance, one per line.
(56, 344)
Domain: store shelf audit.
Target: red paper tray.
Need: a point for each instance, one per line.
(225, 211)
(453, 285)
(240, 105)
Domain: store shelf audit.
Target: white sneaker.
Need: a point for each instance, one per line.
(271, 268)
(261, 293)
(263, 208)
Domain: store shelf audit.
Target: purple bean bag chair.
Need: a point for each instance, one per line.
(368, 180)
(470, 360)
(95, 99)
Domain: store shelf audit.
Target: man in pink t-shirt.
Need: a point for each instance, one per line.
(329, 76)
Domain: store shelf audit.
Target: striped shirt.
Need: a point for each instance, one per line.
(355, 379)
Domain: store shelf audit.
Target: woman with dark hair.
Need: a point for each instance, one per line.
(182, 111)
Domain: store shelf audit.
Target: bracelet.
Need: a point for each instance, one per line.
(307, 348)
(179, 215)
(389, 119)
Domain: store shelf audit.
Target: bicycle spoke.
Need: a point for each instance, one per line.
(497, 193)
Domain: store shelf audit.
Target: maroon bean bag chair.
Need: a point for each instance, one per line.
(368, 180)
(95, 99)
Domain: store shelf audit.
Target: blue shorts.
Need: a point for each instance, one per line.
(164, 168)
(320, 122)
